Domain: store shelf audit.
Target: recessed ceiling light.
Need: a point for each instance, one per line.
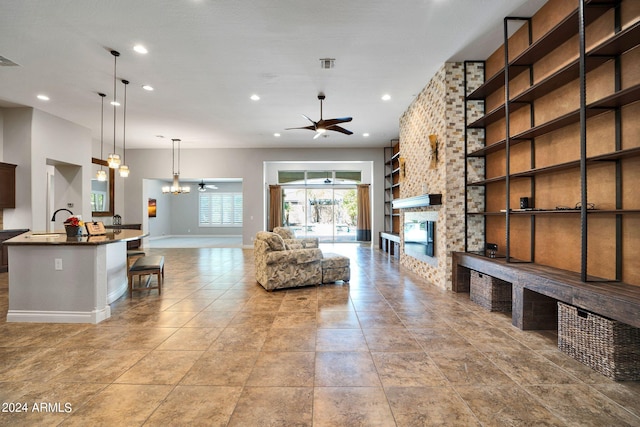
(255, 97)
(43, 97)
(386, 97)
(147, 87)
(140, 49)
(115, 103)
(277, 135)
(366, 135)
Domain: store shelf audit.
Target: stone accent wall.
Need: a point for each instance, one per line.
(439, 109)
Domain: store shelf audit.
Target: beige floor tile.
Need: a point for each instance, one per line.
(302, 319)
(221, 368)
(274, 406)
(283, 369)
(160, 367)
(469, 368)
(337, 319)
(390, 340)
(351, 406)
(429, 406)
(345, 369)
(290, 339)
(582, 405)
(407, 369)
(506, 405)
(196, 406)
(527, 368)
(191, 339)
(191, 304)
(341, 340)
(100, 366)
(240, 339)
(119, 404)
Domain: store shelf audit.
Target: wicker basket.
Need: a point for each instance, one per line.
(489, 292)
(607, 346)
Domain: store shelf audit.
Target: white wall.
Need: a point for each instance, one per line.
(245, 164)
(32, 140)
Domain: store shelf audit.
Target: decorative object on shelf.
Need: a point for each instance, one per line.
(101, 175)
(433, 143)
(492, 248)
(73, 226)
(402, 166)
(114, 158)
(124, 169)
(175, 187)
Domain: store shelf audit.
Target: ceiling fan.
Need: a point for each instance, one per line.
(322, 125)
(202, 187)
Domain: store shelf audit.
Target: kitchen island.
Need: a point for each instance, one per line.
(58, 279)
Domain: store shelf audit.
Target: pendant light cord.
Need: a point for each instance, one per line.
(102, 95)
(115, 62)
(124, 125)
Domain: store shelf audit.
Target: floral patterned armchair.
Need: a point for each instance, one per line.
(290, 239)
(279, 267)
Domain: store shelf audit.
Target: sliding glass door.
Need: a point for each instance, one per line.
(325, 212)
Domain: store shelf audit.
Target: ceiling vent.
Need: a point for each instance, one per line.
(5, 62)
(327, 63)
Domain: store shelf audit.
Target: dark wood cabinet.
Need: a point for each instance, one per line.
(7, 185)
(4, 255)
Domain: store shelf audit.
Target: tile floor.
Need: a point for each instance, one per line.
(216, 349)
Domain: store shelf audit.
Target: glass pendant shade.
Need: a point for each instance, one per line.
(124, 171)
(114, 160)
(101, 175)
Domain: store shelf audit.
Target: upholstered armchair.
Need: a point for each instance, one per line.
(279, 267)
(290, 239)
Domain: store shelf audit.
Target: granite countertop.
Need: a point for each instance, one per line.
(60, 238)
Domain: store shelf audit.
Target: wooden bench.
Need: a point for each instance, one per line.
(147, 265)
(536, 289)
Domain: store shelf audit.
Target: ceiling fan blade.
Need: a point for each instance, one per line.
(307, 117)
(340, 129)
(331, 122)
(304, 127)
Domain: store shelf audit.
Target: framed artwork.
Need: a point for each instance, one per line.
(152, 208)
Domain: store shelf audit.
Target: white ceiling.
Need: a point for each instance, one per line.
(207, 57)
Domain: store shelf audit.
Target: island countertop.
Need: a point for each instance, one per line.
(61, 239)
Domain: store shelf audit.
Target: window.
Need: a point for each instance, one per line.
(220, 210)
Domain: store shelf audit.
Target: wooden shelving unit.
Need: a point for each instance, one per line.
(598, 153)
(390, 237)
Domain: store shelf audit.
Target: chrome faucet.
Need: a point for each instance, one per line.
(53, 218)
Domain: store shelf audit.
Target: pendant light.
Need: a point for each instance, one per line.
(114, 158)
(124, 169)
(175, 187)
(101, 174)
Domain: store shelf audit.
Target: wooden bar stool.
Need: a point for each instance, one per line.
(147, 265)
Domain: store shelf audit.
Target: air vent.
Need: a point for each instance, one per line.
(327, 63)
(6, 62)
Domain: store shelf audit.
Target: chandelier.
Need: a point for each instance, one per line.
(175, 187)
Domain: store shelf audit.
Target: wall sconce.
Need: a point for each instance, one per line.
(433, 142)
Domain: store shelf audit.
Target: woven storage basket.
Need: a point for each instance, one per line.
(489, 292)
(607, 346)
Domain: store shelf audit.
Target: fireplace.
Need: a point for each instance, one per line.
(420, 235)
